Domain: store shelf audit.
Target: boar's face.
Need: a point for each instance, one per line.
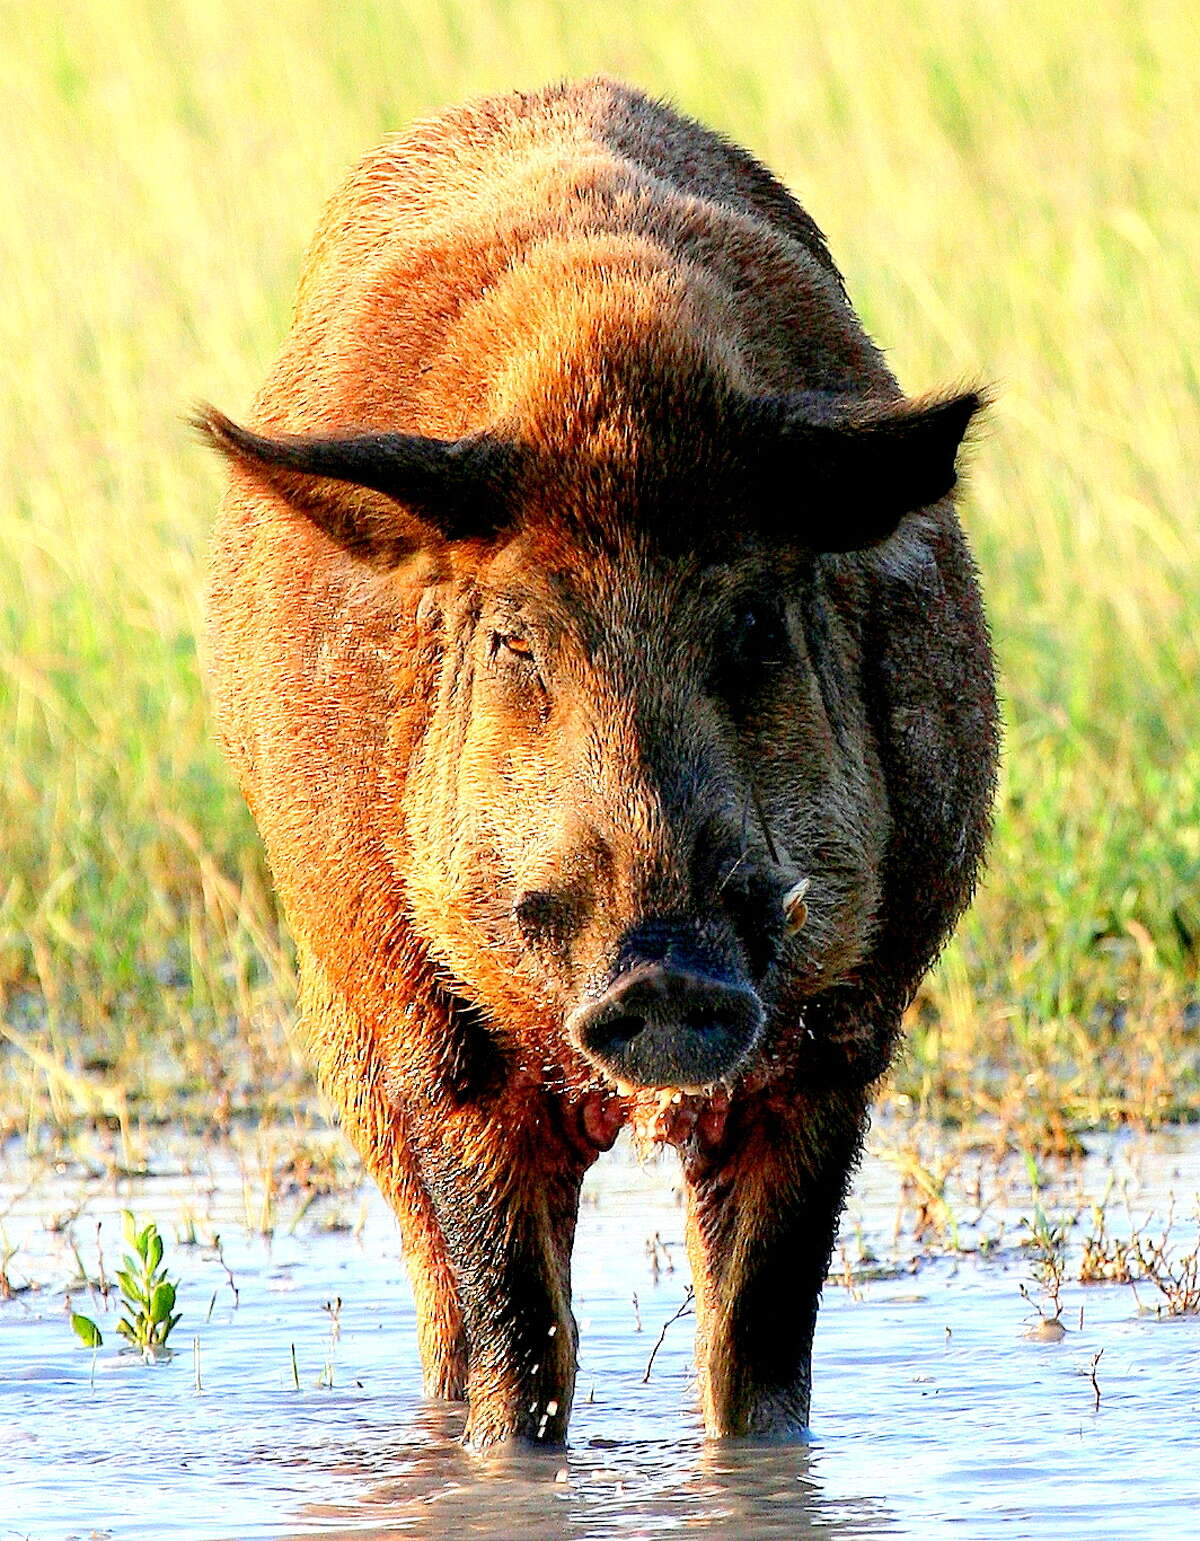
(603, 816)
(645, 731)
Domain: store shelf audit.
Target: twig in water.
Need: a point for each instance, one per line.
(1095, 1383)
(102, 1283)
(684, 1310)
(217, 1248)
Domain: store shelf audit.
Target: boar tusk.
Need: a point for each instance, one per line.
(794, 908)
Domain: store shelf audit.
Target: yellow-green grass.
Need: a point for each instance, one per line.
(1011, 190)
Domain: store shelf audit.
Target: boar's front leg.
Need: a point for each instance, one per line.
(504, 1186)
(440, 1337)
(763, 1208)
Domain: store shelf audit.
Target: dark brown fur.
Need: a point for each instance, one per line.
(664, 610)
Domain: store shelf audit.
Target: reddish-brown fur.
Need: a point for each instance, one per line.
(499, 750)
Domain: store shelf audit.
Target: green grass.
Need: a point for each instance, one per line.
(1011, 191)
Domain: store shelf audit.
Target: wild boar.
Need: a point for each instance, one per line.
(597, 646)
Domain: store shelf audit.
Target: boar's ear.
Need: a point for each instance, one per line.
(860, 468)
(459, 487)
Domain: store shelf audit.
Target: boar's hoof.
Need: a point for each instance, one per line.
(659, 1026)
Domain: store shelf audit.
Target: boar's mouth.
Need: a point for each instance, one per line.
(669, 1021)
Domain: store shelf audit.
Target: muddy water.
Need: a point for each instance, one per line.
(935, 1412)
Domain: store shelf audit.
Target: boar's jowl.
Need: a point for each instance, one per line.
(600, 655)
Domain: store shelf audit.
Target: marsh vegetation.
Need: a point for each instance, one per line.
(1015, 203)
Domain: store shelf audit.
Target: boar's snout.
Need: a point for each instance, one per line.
(660, 1025)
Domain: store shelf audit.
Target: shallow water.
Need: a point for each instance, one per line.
(934, 1410)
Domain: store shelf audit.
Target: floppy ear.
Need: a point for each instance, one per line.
(852, 474)
(459, 487)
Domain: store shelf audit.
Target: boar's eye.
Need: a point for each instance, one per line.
(515, 667)
(760, 637)
(513, 652)
(755, 643)
(513, 643)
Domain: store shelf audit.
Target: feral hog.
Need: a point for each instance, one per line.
(599, 652)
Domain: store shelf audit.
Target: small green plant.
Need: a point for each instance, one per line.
(86, 1330)
(147, 1295)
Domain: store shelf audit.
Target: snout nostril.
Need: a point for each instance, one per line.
(665, 1026)
(615, 1033)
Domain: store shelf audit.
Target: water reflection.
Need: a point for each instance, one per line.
(605, 1488)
